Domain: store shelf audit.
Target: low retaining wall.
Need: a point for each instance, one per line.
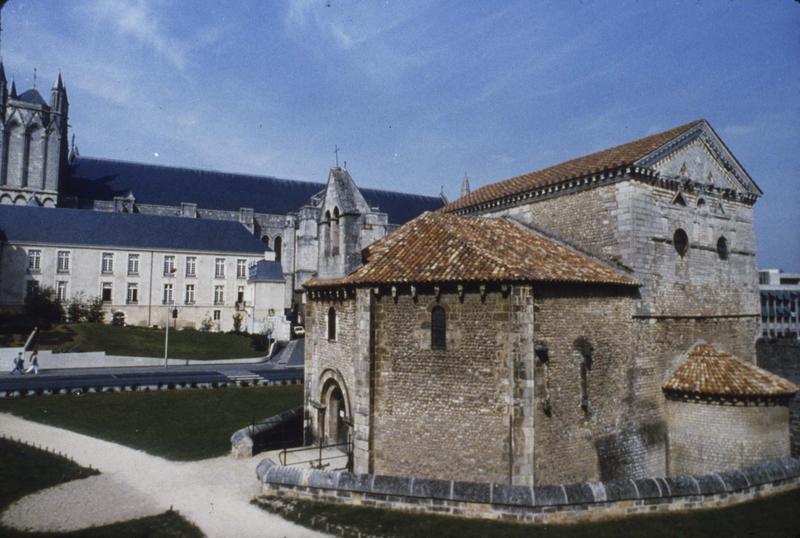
(268, 433)
(540, 504)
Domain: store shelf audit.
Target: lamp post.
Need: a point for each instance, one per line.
(169, 302)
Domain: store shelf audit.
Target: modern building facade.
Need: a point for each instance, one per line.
(780, 304)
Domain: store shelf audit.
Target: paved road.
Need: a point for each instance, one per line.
(212, 375)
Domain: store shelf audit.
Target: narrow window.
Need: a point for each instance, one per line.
(722, 248)
(133, 264)
(189, 297)
(438, 328)
(219, 295)
(265, 240)
(34, 261)
(31, 288)
(543, 355)
(240, 295)
(168, 294)
(191, 265)
(169, 265)
(278, 248)
(61, 291)
(335, 232)
(584, 349)
(108, 263)
(219, 268)
(63, 261)
(331, 323)
(241, 268)
(326, 234)
(106, 292)
(681, 242)
(133, 293)
(217, 315)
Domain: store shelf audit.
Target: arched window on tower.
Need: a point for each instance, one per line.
(278, 248)
(584, 350)
(265, 240)
(326, 234)
(438, 328)
(335, 232)
(331, 323)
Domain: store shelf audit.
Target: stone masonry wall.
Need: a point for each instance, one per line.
(707, 437)
(782, 357)
(442, 413)
(573, 443)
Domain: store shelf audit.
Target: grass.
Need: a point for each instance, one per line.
(775, 516)
(25, 470)
(141, 342)
(184, 425)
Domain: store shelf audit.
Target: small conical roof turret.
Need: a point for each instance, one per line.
(13, 89)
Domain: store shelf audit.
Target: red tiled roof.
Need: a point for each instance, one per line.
(608, 159)
(710, 372)
(437, 247)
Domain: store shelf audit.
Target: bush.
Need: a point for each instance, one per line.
(237, 322)
(76, 309)
(94, 311)
(42, 308)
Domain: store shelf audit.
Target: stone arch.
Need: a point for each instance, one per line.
(48, 202)
(335, 414)
(277, 246)
(20, 200)
(6, 200)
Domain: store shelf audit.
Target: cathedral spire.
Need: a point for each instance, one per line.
(465, 185)
(13, 89)
(2, 73)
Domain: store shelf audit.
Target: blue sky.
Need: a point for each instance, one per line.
(417, 93)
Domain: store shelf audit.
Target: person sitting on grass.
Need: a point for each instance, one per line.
(19, 363)
(34, 367)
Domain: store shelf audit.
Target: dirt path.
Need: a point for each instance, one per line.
(213, 494)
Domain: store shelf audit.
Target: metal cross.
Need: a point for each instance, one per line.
(336, 151)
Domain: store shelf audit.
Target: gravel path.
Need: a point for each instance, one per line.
(213, 494)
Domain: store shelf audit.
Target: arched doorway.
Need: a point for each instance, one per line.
(335, 421)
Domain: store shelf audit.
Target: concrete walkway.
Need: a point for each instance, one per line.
(213, 494)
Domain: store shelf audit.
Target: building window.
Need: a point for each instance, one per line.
(189, 297)
(585, 350)
(34, 261)
(278, 248)
(240, 295)
(543, 354)
(63, 261)
(265, 240)
(438, 328)
(61, 291)
(133, 293)
(219, 268)
(219, 295)
(681, 242)
(31, 288)
(105, 294)
(217, 315)
(168, 294)
(133, 264)
(241, 268)
(335, 232)
(331, 323)
(108, 263)
(191, 266)
(722, 248)
(169, 265)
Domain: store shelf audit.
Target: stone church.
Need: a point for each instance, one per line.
(313, 229)
(592, 320)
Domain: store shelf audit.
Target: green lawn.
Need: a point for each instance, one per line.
(774, 517)
(142, 342)
(24, 470)
(190, 424)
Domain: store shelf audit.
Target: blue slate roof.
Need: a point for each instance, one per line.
(32, 96)
(266, 271)
(103, 179)
(24, 224)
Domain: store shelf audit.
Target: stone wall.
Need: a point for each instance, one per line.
(782, 357)
(706, 436)
(443, 413)
(567, 503)
(577, 440)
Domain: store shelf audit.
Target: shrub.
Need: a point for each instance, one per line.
(76, 309)
(42, 308)
(94, 311)
(237, 322)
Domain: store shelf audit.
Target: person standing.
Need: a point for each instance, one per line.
(34, 367)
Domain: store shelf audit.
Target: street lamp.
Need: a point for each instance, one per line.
(169, 303)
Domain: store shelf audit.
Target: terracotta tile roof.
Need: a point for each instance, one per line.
(706, 371)
(608, 159)
(438, 247)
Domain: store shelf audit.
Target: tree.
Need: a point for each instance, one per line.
(94, 310)
(42, 308)
(76, 309)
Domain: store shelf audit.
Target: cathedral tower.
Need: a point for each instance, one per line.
(33, 144)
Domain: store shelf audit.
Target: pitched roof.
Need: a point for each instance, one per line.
(266, 271)
(438, 247)
(103, 179)
(32, 96)
(707, 371)
(608, 159)
(82, 227)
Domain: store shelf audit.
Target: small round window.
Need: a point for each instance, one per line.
(722, 248)
(681, 242)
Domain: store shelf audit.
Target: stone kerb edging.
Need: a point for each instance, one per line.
(532, 503)
(242, 441)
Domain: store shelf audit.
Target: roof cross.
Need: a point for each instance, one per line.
(336, 151)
